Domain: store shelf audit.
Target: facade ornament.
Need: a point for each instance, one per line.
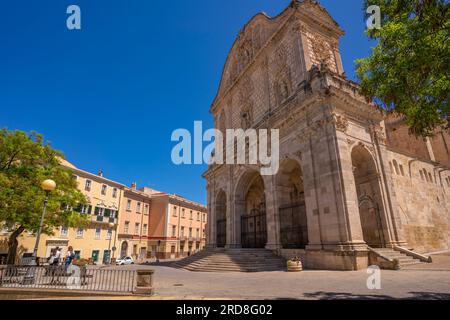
(341, 122)
(378, 134)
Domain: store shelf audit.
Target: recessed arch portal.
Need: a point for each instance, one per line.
(292, 208)
(221, 219)
(251, 210)
(369, 196)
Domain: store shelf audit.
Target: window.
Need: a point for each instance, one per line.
(204, 217)
(88, 185)
(421, 174)
(190, 215)
(174, 211)
(104, 188)
(190, 232)
(203, 233)
(114, 193)
(95, 254)
(431, 177)
(145, 229)
(402, 171)
(146, 209)
(129, 205)
(182, 213)
(182, 232)
(138, 207)
(198, 216)
(396, 167)
(98, 233)
(197, 233)
(80, 232)
(77, 254)
(85, 209)
(136, 228)
(109, 234)
(425, 174)
(174, 231)
(64, 232)
(99, 211)
(126, 227)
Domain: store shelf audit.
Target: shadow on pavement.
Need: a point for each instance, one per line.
(321, 295)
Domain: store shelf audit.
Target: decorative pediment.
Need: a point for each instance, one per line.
(249, 42)
(302, 16)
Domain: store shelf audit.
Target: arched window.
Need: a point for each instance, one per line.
(430, 177)
(425, 173)
(396, 167)
(421, 175)
(402, 171)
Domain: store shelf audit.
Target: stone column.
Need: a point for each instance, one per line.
(394, 233)
(311, 196)
(272, 218)
(211, 235)
(330, 188)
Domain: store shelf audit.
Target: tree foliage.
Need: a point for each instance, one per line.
(408, 70)
(25, 161)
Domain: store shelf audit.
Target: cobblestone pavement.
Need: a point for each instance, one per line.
(424, 281)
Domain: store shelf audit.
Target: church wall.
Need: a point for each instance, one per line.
(424, 203)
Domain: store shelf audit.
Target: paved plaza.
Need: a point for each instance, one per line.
(423, 281)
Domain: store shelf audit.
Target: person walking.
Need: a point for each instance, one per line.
(54, 263)
(70, 255)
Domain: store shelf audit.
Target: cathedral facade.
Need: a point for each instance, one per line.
(350, 177)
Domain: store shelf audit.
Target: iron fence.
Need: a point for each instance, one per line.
(74, 278)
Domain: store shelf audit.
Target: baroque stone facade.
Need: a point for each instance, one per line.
(343, 184)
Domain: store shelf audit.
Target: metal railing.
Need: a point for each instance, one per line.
(74, 278)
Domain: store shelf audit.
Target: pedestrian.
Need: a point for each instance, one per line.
(56, 257)
(70, 255)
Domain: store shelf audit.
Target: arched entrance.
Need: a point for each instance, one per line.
(124, 249)
(369, 196)
(221, 219)
(252, 211)
(292, 208)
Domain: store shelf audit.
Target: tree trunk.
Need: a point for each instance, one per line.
(13, 244)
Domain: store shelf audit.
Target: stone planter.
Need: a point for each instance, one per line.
(294, 266)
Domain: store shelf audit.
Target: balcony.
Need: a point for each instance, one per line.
(103, 219)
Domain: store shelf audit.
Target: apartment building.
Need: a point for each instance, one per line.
(177, 226)
(124, 221)
(95, 241)
(134, 221)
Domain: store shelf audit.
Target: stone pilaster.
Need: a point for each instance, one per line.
(272, 218)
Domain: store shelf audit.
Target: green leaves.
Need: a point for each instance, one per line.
(25, 161)
(408, 71)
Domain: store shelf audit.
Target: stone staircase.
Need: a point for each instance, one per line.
(232, 260)
(403, 259)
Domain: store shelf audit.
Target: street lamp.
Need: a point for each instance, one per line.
(48, 186)
(111, 227)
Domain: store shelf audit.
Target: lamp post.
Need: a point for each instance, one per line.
(111, 227)
(48, 186)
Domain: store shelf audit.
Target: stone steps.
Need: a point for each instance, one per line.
(232, 260)
(403, 259)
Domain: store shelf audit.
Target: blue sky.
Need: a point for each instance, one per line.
(110, 95)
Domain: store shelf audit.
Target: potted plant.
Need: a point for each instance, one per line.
(294, 265)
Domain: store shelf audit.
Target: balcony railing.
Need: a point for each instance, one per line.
(104, 219)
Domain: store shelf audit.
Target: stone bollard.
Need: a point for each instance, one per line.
(144, 282)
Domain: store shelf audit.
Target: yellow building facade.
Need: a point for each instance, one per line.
(94, 241)
(124, 221)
